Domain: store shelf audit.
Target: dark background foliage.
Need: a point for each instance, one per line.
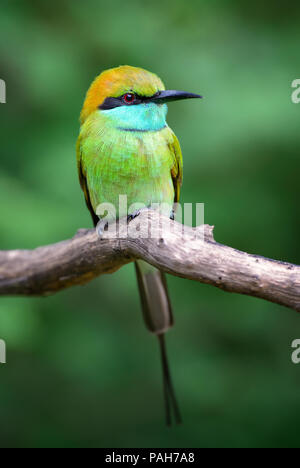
(82, 370)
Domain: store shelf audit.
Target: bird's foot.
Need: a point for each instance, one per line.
(135, 214)
(132, 216)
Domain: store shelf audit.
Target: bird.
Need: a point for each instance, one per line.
(125, 147)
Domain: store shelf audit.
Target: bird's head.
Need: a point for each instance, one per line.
(130, 99)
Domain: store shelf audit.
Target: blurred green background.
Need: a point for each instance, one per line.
(82, 371)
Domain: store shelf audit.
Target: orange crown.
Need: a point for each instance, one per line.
(116, 82)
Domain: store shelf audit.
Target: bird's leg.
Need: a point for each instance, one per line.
(132, 216)
(135, 214)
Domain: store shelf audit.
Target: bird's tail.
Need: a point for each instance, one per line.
(158, 317)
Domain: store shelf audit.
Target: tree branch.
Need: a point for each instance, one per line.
(180, 251)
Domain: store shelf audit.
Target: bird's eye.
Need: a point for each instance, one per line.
(129, 98)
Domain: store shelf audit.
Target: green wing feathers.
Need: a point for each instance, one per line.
(83, 182)
(177, 169)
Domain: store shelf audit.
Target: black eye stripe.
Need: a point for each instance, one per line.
(112, 102)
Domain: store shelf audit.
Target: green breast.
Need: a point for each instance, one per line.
(133, 163)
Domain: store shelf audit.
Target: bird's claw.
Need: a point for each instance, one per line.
(133, 215)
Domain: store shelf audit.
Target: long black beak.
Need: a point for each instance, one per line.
(171, 95)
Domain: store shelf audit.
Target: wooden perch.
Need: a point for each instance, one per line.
(180, 251)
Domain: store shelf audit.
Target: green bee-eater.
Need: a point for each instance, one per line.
(125, 147)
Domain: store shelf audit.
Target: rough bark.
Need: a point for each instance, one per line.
(190, 253)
